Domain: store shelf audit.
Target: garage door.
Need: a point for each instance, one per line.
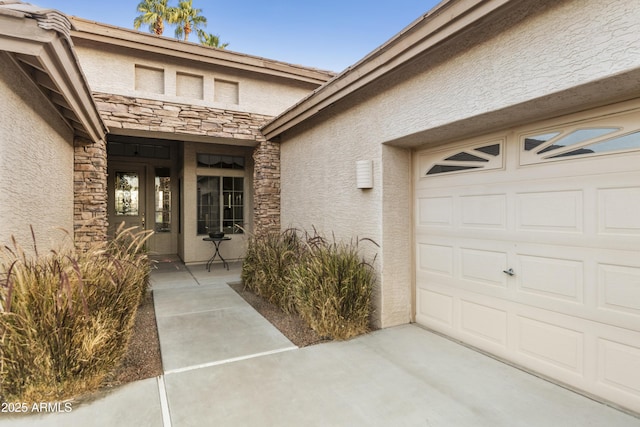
(528, 247)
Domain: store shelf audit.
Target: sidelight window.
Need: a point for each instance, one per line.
(163, 200)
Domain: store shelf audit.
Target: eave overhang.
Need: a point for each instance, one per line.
(426, 33)
(38, 42)
(151, 43)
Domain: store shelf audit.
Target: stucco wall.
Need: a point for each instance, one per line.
(36, 163)
(318, 189)
(533, 50)
(112, 71)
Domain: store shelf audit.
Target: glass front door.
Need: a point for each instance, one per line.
(142, 196)
(142, 191)
(127, 197)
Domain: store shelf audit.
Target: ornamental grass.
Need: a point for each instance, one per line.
(66, 316)
(266, 269)
(333, 286)
(328, 283)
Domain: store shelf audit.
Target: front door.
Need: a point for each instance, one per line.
(140, 195)
(127, 196)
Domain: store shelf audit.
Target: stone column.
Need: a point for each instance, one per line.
(266, 182)
(90, 192)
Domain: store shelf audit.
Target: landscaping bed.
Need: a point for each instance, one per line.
(320, 289)
(328, 283)
(142, 359)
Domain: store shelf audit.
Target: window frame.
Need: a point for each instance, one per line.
(446, 164)
(626, 124)
(222, 173)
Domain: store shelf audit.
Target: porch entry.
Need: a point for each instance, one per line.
(140, 195)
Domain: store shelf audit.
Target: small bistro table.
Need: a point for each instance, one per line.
(216, 253)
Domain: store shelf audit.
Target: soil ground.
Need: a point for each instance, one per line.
(142, 359)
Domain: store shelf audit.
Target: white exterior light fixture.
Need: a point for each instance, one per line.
(364, 174)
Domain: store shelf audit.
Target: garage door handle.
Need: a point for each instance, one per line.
(510, 272)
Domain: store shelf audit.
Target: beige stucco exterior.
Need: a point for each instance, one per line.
(49, 130)
(319, 191)
(79, 84)
(528, 61)
(110, 68)
(36, 148)
(523, 63)
(113, 71)
(465, 69)
(486, 73)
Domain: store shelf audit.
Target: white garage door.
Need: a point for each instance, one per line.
(528, 247)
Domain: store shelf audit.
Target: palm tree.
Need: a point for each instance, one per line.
(186, 19)
(152, 13)
(212, 40)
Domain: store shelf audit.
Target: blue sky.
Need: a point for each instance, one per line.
(328, 34)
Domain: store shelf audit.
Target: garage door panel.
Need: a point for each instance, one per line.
(551, 277)
(435, 259)
(557, 211)
(484, 266)
(435, 307)
(619, 289)
(484, 322)
(435, 211)
(477, 319)
(579, 312)
(450, 284)
(579, 287)
(619, 366)
(484, 211)
(550, 343)
(619, 211)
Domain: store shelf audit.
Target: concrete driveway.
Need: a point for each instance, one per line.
(225, 365)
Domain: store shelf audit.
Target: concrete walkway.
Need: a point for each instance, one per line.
(225, 365)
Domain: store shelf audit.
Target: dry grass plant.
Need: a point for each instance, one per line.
(333, 286)
(266, 269)
(66, 316)
(328, 283)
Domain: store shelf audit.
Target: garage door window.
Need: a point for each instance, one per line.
(476, 158)
(577, 142)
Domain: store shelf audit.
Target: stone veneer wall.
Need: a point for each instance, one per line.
(90, 192)
(266, 187)
(124, 112)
